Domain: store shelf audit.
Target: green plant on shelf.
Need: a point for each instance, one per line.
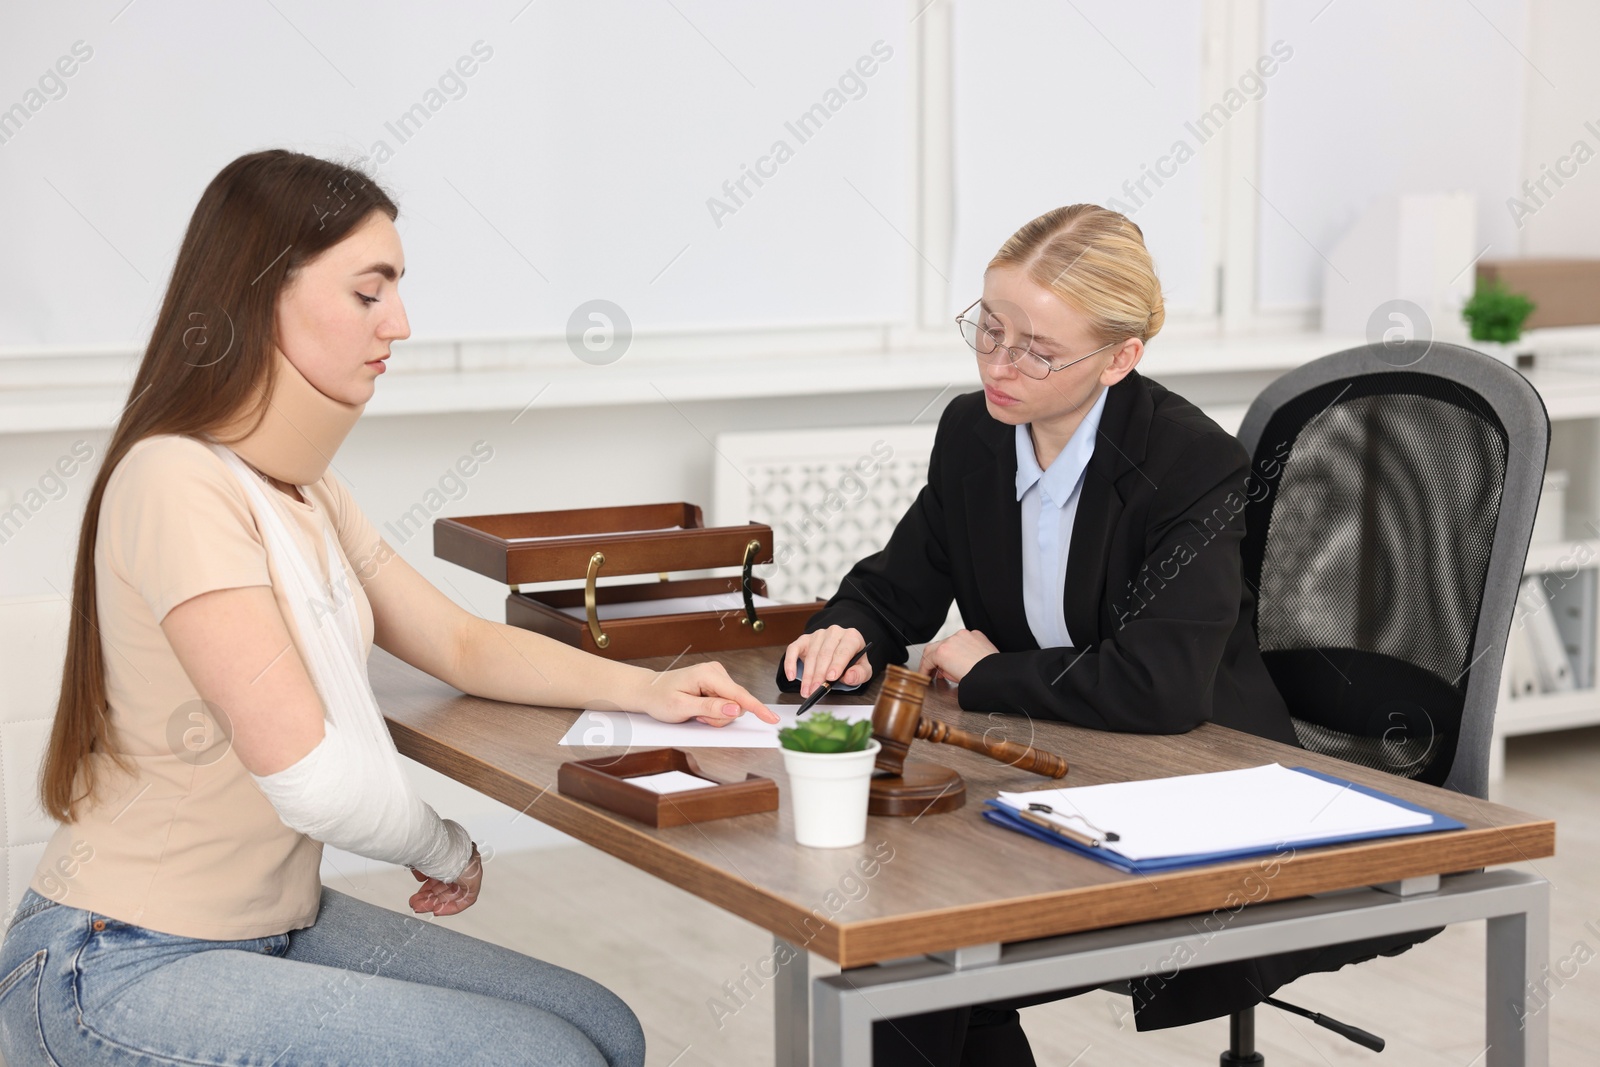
(1495, 313)
(821, 732)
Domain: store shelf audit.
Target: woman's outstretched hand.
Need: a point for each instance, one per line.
(447, 898)
(702, 692)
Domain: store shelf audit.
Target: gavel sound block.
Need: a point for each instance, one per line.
(927, 788)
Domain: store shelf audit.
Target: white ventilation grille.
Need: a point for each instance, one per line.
(830, 496)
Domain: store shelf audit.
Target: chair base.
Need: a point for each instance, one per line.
(1242, 1041)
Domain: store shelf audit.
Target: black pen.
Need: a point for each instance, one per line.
(822, 690)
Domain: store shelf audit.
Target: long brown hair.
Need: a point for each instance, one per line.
(262, 218)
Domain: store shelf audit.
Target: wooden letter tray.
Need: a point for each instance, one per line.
(585, 543)
(604, 783)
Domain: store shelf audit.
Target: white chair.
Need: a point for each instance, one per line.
(33, 648)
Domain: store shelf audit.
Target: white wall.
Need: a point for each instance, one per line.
(543, 155)
(1051, 109)
(1563, 109)
(1379, 99)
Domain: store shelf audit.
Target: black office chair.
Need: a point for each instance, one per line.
(1391, 504)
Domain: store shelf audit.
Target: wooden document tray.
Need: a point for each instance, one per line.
(586, 543)
(604, 783)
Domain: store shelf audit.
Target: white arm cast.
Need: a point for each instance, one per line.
(365, 806)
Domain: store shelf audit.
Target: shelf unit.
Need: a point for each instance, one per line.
(1571, 391)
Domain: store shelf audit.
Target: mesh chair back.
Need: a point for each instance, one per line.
(1390, 508)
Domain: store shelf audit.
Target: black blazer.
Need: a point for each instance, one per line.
(1162, 623)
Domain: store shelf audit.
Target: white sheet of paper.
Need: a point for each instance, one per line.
(669, 782)
(677, 605)
(1256, 807)
(629, 729)
(595, 533)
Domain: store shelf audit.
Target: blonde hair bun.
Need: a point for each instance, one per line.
(1095, 259)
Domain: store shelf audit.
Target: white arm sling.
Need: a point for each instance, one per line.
(350, 791)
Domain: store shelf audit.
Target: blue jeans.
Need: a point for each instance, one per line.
(360, 985)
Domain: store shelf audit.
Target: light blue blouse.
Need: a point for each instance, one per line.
(1049, 500)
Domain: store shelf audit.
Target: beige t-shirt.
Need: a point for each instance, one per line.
(189, 845)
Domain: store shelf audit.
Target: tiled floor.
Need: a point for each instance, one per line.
(669, 954)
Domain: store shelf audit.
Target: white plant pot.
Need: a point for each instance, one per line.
(828, 792)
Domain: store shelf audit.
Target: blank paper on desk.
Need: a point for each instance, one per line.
(677, 605)
(635, 729)
(1225, 811)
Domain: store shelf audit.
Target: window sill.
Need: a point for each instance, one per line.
(568, 383)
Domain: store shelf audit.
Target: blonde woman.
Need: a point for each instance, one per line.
(1087, 523)
(216, 726)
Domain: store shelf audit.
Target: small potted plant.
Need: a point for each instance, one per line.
(830, 765)
(1495, 316)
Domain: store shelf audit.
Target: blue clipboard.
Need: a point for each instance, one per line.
(1000, 815)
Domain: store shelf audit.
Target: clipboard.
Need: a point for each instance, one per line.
(1000, 815)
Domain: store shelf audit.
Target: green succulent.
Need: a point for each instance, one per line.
(1495, 313)
(821, 732)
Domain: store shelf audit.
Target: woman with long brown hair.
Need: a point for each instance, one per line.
(216, 726)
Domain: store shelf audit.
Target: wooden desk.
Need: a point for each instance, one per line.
(955, 885)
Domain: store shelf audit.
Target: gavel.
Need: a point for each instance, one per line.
(897, 721)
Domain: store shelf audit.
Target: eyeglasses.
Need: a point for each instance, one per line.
(988, 343)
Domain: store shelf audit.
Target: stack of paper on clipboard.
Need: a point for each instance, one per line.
(1165, 823)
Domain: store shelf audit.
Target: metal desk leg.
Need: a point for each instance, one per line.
(791, 1020)
(1517, 1024)
(841, 1027)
